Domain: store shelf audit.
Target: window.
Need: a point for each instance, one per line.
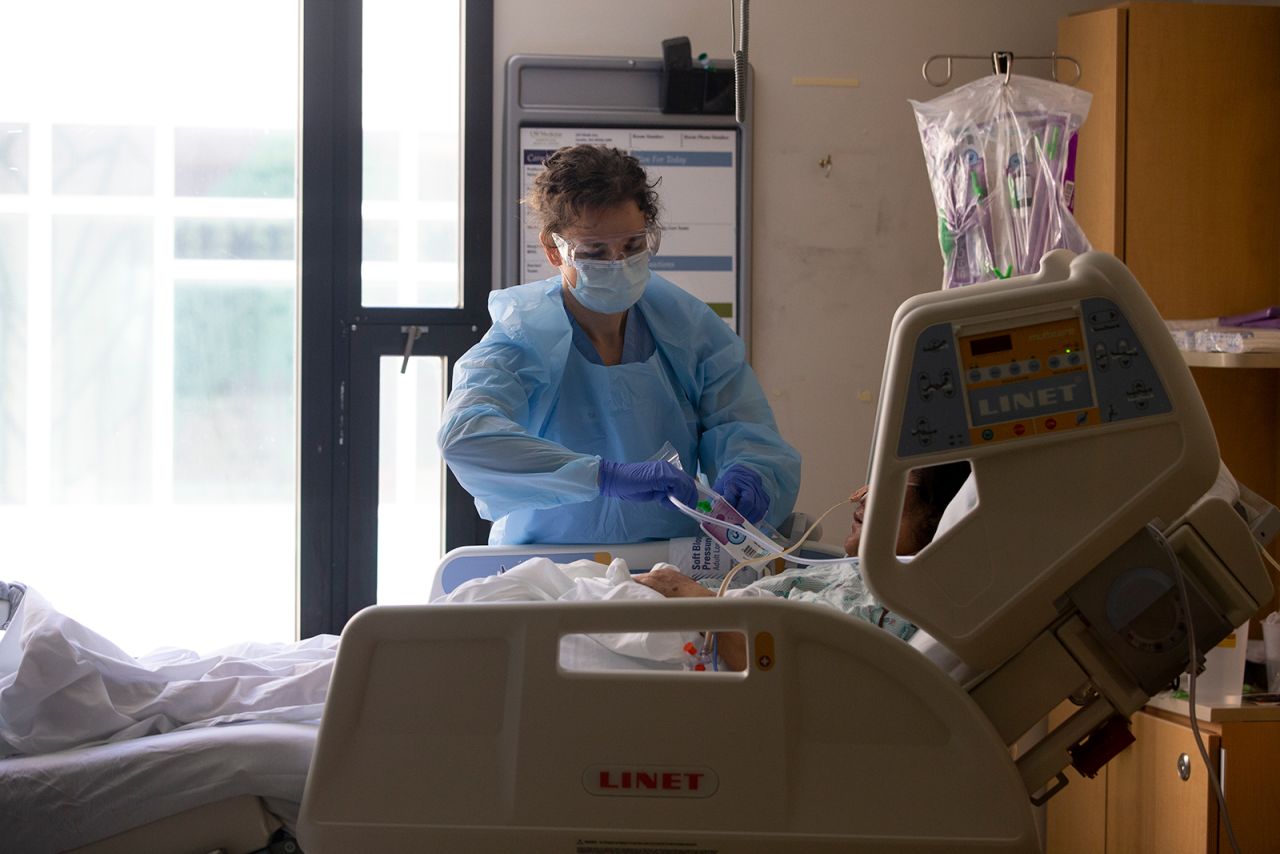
(396, 255)
(189, 406)
(147, 298)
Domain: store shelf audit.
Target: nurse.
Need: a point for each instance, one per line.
(555, 415)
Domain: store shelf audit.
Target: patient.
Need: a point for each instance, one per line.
(929, 491)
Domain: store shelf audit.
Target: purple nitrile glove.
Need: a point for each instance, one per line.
(743, 488)
(648, 481)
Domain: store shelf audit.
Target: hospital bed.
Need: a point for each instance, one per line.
(227, 789)
(1092, 557)
(234, 788)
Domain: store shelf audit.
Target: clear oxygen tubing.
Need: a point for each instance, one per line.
(710, 639)
(774, 550)
(1262, 550)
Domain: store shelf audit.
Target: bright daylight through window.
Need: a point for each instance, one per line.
(147, 312)
(410, 209)
(149, 304)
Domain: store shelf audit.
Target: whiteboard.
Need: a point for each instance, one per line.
(697, 191)
(703, 161)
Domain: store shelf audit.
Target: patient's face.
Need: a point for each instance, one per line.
(911, 530)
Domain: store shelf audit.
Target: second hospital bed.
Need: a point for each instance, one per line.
(112, 754)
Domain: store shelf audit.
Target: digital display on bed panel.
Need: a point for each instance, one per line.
(1080, 370)
(1027, 380)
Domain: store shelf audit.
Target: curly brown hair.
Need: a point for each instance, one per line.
(581, 178)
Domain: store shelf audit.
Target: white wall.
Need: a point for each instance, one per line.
(833, 256)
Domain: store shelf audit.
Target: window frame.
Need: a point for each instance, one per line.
(342, 341)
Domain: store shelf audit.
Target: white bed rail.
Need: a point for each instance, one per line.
(455, 728)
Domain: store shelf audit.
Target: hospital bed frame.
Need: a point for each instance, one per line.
(232, 826)
(226, 788)
(834, 719)
(452, 728)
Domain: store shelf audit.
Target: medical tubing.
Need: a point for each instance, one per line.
(1268, 558)
(710, 638)
(774, 552)
(1179, 572)
(787, 552)
(728, 576)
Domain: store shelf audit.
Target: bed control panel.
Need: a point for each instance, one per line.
(1081, 367)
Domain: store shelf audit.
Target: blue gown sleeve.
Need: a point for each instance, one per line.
(486, 440)
(738, 425)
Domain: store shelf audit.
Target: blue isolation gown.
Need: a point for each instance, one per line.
(530, 416)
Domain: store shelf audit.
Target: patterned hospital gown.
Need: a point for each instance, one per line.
(839, 586)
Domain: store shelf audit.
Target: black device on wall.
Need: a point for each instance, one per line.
(686, 88)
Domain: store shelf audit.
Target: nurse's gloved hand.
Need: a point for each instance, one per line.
(648, 481)
(744, 489)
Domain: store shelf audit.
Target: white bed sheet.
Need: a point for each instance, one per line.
(63, 685)
(541, 580)
(62, 800)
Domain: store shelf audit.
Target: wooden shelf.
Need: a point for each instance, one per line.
(1231, 360)
(1231, 709)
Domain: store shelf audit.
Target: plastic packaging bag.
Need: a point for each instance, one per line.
(702, 559)
(738, 545)
(1210, 335)
(1001, 161)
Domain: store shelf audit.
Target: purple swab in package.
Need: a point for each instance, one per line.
(1021, 135)
(1263, 318)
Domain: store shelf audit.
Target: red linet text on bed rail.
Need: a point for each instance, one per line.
(650, 781)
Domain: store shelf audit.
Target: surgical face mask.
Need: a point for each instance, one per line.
(610, 287)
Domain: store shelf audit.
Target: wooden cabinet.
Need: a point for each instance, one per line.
(1177, 175)
(1150, 807)
(1141, 801)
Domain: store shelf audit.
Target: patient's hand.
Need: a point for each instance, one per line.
(672, 583)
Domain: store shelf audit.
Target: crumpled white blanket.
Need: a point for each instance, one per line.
(63, 685)
(541, 580)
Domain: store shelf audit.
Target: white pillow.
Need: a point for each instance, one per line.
(959, 506)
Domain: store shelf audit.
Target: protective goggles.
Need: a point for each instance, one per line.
(612, 247)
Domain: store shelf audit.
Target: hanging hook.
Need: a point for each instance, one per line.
(1054, 56)
(825, 165)
(1002, 64)
(924, 70)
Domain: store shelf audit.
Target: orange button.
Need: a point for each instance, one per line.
(764, 651)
